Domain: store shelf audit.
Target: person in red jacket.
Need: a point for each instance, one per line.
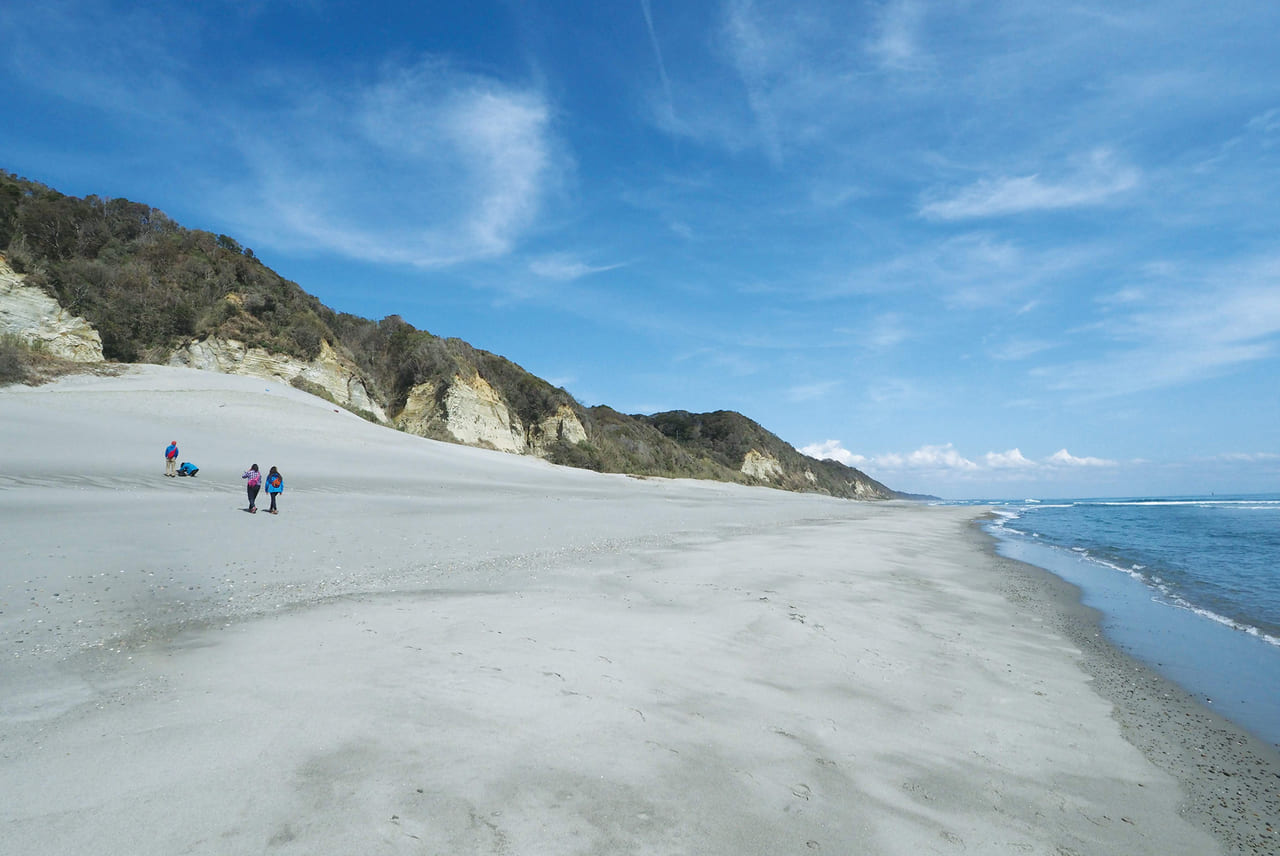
(171, 459)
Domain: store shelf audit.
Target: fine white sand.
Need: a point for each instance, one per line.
(438, 649)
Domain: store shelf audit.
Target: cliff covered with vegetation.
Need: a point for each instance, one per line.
(157, 292)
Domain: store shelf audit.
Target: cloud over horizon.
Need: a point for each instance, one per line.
(945, 458)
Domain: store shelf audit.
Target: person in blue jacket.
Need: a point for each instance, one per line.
(171, 459)
(275, 487)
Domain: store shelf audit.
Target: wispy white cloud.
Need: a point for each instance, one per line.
(757, 54)
(833, 195)
(1131, 295)
(565, 267)
(897, 41)
(1205, 325)
(881, 333)
(791, 79)
(646, 7)
(813, 391)
(887, 330)
(1020, 349)
(133, 71)
(458, 164)
(725, 360)
(1239, 303)
(893, 391)
(1267, 122)
(1098, 181)
(1261, 133)
(972, 270)
(1249, 457)
(682, 230)
(419, 163)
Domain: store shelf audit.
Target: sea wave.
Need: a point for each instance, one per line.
(1162, 592)
(1246, 504)
(1222, 619)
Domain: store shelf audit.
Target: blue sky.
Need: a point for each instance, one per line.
(973, 248)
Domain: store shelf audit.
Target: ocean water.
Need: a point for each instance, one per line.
(1189, 585)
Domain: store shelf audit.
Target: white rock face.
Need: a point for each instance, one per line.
(562, 425)
(328, 370)
(420, 410)
(479, 417)
(761, 466)
(862, 490)
(475, 414)
(36, 318)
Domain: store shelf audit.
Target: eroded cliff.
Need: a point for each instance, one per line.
(335, 375)
(470, 410)
(37, 320)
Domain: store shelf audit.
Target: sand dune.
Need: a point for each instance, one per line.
(439, 649)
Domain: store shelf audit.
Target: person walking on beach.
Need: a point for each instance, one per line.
(255, 483)
(171, 459)
(275, 487)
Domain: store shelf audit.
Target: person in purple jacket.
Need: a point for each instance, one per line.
(255, 484)
(171, 459)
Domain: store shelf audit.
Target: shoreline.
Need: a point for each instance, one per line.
(1231, 777)
(1233, 668)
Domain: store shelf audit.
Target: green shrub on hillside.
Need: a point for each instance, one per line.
(15, 364)
(581, 455)
(147, 284)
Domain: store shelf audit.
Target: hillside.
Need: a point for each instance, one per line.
(93, 279)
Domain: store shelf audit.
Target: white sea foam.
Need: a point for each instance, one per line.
(1003, 516)
(1165, 595)
(1222, 619)
(1246, 504)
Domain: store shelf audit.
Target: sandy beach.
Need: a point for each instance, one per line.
(439, 649)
